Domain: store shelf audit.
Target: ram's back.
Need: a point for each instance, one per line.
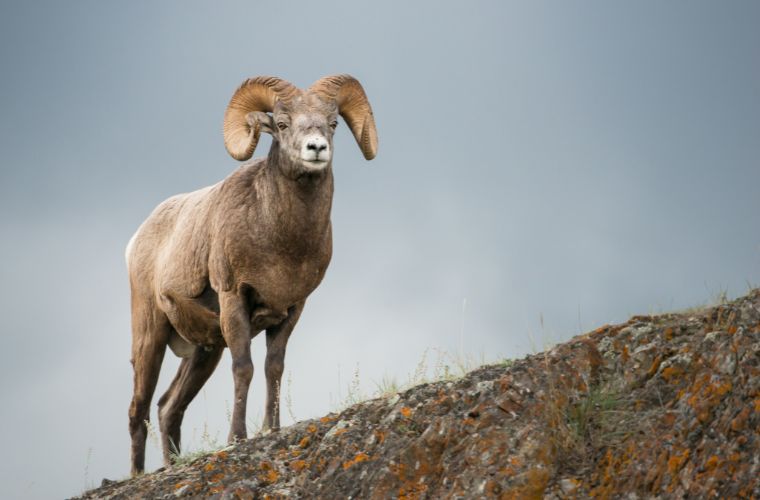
(172, 245)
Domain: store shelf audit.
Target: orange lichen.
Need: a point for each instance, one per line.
(399, 470)
(655, 366)
(411, 491)
(311, 429)
(360, 457)
(380, 435)
(505, 383)
(706, 394)
(672, 373)
(242, 493)
(221, 455)
(216, 477)
(298, 465)
(677, 460)
(624, 356)
(325, 420)
(669, 418)
(601, 329)
(739, 422)
(611, 468)
(271, 476)
(304, 443)
(209, 467)
(732, 329)
(534, 486)
(442, 396)
(492, 489)
(406, 412)
(507, 471)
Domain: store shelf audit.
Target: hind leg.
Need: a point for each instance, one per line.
(150, 334)
(193, 372)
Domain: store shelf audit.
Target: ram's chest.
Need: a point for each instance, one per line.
(274, 280)
(274, 267)
(284, 283)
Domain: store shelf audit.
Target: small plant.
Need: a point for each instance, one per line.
(387, 386)
(447, 367)
(354, 389)
(420, 371)
(208, 445)
(289, 400)
(581, 422)
(152, 434)
(189, 457)
(88, 484)
(354, 393)
(256, 424)
(591, 417)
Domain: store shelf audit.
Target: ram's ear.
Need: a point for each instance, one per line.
(263, 121)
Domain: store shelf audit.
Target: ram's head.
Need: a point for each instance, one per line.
(302, 122)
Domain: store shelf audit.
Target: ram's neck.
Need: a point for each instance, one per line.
(299, 204)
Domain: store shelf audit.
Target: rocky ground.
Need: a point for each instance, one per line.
(663, 406)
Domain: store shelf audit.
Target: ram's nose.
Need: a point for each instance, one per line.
(315, 149)
(316, 144)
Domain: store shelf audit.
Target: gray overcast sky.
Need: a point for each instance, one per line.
(579, 162)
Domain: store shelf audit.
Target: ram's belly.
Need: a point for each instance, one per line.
(196, 319)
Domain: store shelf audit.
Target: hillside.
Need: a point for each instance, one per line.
(665, 405)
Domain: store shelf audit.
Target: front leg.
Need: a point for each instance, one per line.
(277, 341)
(236, 330)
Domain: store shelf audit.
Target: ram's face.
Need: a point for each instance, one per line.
(304, 128)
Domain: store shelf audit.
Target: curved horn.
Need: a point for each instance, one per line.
(353, 106)
(254, 94)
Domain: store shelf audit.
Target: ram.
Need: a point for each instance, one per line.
(213, 268)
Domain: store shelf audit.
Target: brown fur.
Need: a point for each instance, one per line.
(213, 268)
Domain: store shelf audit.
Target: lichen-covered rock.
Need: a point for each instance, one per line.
(663, 406)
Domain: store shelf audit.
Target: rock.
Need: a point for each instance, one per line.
(569, 485)
(661, 407)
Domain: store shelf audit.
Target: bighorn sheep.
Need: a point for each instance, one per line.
(213, 268)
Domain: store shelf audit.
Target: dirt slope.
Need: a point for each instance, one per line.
(665, 406)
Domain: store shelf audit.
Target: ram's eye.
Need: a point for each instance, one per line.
(282, 125)
(333, 124)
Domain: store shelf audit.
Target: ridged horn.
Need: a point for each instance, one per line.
(353, 106)
(255, 94)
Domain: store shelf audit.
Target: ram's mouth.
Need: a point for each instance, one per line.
(315, 163)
